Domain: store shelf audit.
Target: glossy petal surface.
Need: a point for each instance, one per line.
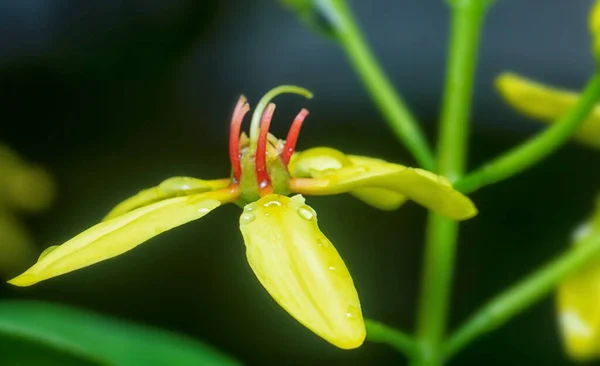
(578, 302)
(547, 104)
(301, 269)
(322, 161)
(427, 189)
(169, 188)
(120, 234)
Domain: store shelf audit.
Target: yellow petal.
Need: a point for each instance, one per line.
(121, 234)
(579, 313)
(315, 161)
(578, 302)
(321, 161)
(547, 104)
(429, 190)
(301, 269)
(381, 198)
(169, 188)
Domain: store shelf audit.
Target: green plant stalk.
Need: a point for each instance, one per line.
(538, 148)
(524, 294)
(394, 109)
(380, 333)
(442, 233)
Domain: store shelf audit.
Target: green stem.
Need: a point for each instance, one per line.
(538, 148)
(436, 280)
(524, 294)
(390, 103)
(442, 233)
(264, 102)
(380, 333)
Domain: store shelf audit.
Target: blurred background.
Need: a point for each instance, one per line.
(114, 96)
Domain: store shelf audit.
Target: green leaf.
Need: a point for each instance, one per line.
(316, 14)
(78, 337)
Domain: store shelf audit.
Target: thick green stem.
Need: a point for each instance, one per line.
(380, 333)
(467, 19)
(436, 281)
(538, 148)
(524, 294)
(390, 103)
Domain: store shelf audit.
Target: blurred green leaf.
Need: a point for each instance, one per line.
(79, 337)
(316, 14)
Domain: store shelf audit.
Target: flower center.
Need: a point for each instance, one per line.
(259, 162)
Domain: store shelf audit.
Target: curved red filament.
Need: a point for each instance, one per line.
(240, 110)
(262, 175)
(292, 137)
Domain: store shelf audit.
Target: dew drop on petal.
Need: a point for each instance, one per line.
(323, 243)
(47, 251)
(339, 270)
(272, 203)
(250, 207)
(203, 210)
(352, 312)
(246, 218)
(306, 212)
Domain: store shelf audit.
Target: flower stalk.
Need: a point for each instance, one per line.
(537, 148)
(442, 233)
(522, 295)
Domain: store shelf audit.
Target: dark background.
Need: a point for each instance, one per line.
(114, 96)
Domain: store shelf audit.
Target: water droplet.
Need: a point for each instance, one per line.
(47, 251)
(352, 312)
(323, 243)
(246, 218)
(203, 210)
(250, 207)
(272, 203)
(339, 269)
(306, 212)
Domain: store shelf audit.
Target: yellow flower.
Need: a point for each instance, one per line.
(547, 104)
(578, 301)
(292, 258)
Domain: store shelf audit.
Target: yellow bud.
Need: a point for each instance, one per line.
(578, 302)
(547, 104)
(301, 269)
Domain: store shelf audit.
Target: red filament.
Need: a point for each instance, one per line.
(264, 182)
(292, 137)
(240, 110)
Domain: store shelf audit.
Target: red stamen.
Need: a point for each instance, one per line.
(240, 110)
(292, 137)
(264, 182)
